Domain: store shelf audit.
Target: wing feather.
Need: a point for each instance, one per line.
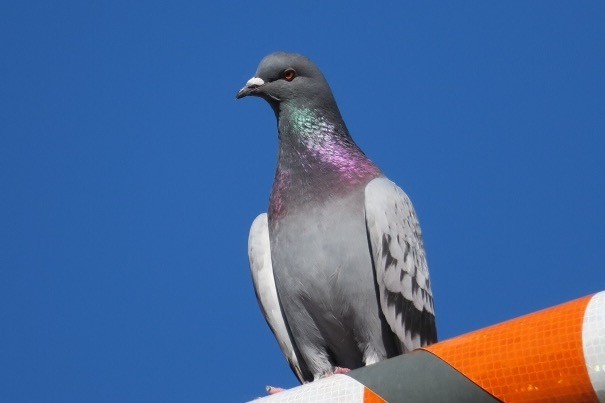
(399, 259)
(259, 253)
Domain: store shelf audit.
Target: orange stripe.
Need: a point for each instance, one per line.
(534, 357)
(369, 396)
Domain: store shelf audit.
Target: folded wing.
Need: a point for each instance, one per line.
(259, 253)
(399, 260)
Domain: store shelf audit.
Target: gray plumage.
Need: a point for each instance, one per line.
(338, 262)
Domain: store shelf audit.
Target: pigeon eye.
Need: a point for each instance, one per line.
(289, 74)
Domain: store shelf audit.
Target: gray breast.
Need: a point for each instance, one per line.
(325, 280)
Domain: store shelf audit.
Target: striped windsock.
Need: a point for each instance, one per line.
(557, 354)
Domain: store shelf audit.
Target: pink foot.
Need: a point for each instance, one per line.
(273, 390)
(341, 370)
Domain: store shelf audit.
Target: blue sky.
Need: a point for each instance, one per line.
(130, 175)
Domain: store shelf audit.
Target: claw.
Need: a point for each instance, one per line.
(273, 390)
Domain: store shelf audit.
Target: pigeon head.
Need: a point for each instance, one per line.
(317, 157)
(291, 79)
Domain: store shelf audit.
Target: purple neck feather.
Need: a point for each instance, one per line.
(317, 160)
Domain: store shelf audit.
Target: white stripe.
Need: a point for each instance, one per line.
(332, 389)
(593, 341)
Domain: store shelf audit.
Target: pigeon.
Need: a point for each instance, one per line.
(338, 262)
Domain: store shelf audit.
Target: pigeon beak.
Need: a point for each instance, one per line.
(250, 87)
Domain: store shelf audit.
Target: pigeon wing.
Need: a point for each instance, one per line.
(399, 260)
(259, 253)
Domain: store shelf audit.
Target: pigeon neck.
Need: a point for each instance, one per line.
(313, 139)
(317, 158)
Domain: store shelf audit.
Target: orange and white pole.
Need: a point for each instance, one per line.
(557, 354)
(554, 355)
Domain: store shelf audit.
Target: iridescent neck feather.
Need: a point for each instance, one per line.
(317, 159)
